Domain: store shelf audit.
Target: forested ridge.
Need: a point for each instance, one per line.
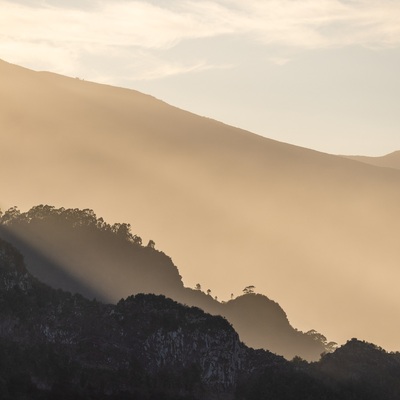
(77, 251)
(58, 345)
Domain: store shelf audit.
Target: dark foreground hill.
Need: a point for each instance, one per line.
(55, 345)
(74, 250)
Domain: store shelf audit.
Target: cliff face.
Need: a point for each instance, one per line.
(160, 344)
(186, 339)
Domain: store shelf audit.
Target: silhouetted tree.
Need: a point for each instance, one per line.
(151, 244)
(249, 289)
(209, 292)
(198, 286)
(10, 214)
(137, 240)
(123, 230)
(318, 337)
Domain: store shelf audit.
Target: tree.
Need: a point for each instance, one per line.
(12, 213)
(151, 244)
(209, 292)
(123, 230)
(198, 286)
(249, 289)
(137, 240)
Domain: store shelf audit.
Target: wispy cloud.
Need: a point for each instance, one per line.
(64, 33)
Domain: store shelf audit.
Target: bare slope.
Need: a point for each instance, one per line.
(391, 160)
(316, 232)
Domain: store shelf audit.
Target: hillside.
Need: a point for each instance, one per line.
(391, 160)
(65, 346)
(316, 231)
(55, 345)
(73, 250)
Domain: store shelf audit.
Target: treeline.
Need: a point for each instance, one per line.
(74, 250)
(73, 217)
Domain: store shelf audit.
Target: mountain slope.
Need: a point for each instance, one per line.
(391, 160)
(144, 347)
(316, 231)
(66, 247)
(55, 345)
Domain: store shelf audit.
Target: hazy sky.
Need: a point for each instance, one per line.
(322, 74)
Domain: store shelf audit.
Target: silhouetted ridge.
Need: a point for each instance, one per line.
(362, 369)
(74, 250)
(391, 160)
(55, 345)
(145, 347)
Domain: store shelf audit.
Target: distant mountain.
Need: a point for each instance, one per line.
(391, 160)
(54, 345)
(316, 231)
(73, 250)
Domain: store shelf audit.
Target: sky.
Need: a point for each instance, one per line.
(321, 74)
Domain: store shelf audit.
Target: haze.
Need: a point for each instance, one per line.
(315, 232)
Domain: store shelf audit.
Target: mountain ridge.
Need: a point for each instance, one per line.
(285, 219)
(391, 160)
(55, 345)
(70, 248)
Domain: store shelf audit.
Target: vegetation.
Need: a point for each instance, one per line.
(74, 250)
(58, 345)
(70, 248)
(75, 218)
(249, 289)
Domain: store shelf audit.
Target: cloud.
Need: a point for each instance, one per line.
(65, 33)
(323, 23)
(279, 60)
(161, 69)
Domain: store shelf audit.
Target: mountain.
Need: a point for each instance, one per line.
(391, 160)
(58, 345)
(357, 370)
(316, 231)
(362, 367)
(56, 242)
(55, 345)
